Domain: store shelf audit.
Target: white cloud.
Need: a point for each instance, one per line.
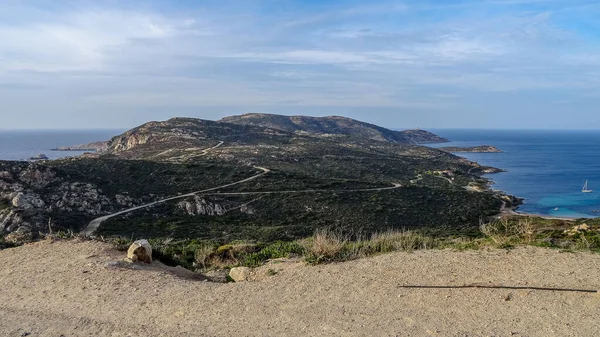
(417, 57)
(81, 40)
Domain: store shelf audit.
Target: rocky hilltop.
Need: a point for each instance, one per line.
(334, 126)
(363, 179)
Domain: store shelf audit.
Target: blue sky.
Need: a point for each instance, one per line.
(430, 64)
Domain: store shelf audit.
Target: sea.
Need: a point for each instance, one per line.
(546, 168)
(24, 144)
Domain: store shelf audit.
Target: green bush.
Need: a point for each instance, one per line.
(274, 251)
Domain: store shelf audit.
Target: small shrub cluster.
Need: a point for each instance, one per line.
(513, 231)
(274, 251)
(7, 244)
(328, 245)
(196, 254)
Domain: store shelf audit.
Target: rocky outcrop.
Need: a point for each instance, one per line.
(79, 197)
(27, 201)
(94, 146)
(19, 202)
(176, 130)
(37, 176)
(129, 141)
(124, 200)
(200, 206)
(40, 156)
(31, 193)
(11, 221)
(246, 209)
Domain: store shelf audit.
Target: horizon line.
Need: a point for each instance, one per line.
(390, 128)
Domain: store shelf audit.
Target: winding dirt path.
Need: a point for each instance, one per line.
(94, 224)
(201, 154)
(447, 179)
(396, 186)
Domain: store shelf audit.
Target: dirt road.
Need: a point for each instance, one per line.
(94, 224)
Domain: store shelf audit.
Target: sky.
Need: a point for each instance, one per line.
(400, 64)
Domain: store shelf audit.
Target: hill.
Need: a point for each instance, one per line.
(334, 126)
(300, 182)
(181, 133)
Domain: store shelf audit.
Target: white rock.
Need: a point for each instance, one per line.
(140, 251)
(27, 201)
(240, 274)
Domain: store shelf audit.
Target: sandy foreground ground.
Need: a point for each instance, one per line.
(67, 289)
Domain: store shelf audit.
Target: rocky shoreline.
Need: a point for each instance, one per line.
(94, 146)
(474, 149)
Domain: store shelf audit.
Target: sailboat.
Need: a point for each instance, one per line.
(585, 188)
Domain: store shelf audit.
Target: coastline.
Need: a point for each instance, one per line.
(513, 210)
(547, 169)
(506, 212)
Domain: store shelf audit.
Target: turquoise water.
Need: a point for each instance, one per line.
(546, 168)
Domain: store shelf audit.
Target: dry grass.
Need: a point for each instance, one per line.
(582, 243)
(505, 231)
(326, 244)
(202, 255)
(329, 245)
(508, 232)
(399, 241)
(527, 230)
(497, 231)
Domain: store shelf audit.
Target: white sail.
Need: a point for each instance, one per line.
(585, 188)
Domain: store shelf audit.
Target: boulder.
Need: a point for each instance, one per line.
(140, 251)
(40, 156)
(27, 201)
(240, 274)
